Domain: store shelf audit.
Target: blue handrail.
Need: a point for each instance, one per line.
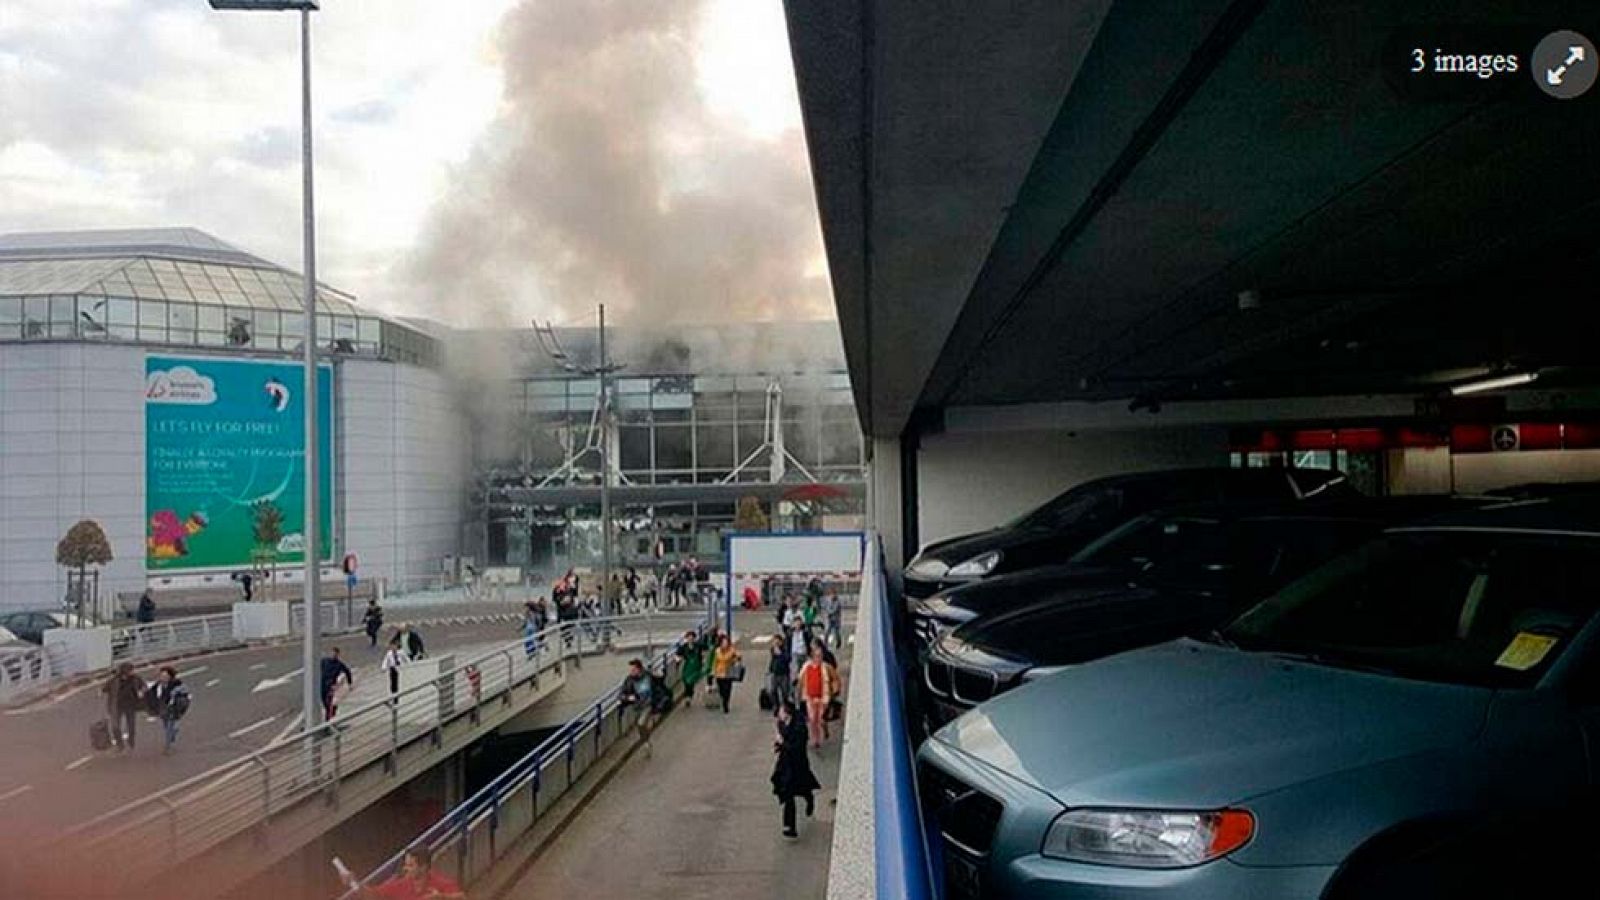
(903, 869)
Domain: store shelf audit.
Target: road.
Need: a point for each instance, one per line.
(243, 699)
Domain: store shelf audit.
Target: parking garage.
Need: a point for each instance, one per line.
(1079, 242)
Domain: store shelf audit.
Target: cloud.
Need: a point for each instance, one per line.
(370, 112)
(179, 385)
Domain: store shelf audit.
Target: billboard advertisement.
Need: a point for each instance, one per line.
(224, 452)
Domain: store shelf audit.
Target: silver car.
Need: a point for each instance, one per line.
(1419, 718)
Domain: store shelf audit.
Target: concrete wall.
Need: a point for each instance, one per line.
(405, 459)
(969, 481)
(71, 448)
(1475, 472)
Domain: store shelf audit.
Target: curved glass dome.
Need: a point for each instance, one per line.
(178, 286)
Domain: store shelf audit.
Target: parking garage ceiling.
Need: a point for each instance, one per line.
(1194, 199)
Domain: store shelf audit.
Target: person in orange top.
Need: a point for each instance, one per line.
(819, 684)
(417, 881)
(726, 668)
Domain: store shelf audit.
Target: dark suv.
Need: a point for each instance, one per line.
(1160, 577)
(1061, 527)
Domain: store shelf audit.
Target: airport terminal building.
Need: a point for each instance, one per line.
(150, 380)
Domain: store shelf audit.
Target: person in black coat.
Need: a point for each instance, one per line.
(791, 774)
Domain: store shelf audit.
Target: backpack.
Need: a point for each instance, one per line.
(660, 694)
(178, 703)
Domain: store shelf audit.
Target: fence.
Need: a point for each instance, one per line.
(144, 643)
(472, 837)
(157, 832)
(24, 673)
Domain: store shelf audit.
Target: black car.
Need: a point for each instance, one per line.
(1061, 527)
(1162, 577)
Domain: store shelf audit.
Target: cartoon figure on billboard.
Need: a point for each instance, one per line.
(169, 536)
(277, 395)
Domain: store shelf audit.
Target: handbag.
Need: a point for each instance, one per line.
(736, 672)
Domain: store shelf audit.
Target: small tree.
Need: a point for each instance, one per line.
(268, 528)
(84, 545)
(751, 517)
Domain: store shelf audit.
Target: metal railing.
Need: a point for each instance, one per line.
(474, 835)
(150, 641)
(24, 673)
(153, 834)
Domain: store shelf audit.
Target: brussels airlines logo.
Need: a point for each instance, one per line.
(180, 385)
(277, 395)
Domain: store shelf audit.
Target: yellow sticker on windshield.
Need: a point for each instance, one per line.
(1526, 651)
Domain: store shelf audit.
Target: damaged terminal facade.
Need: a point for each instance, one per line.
(151, 368)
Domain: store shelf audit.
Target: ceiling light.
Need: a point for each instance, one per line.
(1494, 383)
(1249, 299)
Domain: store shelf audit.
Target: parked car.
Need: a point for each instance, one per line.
(1414, 719)
(1160, 577)
(30, 626)
(1061, 527)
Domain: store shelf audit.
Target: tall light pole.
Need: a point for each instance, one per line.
(605, 465)
(312, 529)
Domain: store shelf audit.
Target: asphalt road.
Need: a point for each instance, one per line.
(50, 779)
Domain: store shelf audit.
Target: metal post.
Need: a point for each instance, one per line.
(605, 463)
(313, 708)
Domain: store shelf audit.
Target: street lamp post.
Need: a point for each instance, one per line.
(312, 529)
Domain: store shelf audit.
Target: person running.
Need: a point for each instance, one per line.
(417, 881)
(646, 696)
(724, 667)
(169, 701)
(819, 684)
(414, 648)
(791, 773)
(124, 700)
(392, 661)
(693, 657)
(332, 671)
(372, 621)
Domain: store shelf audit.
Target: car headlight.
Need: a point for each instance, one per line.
(976, 567)
(929, 569)
(1147, 839)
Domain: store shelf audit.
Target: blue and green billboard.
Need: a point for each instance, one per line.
(223, 438)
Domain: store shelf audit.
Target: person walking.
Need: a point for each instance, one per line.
(833, 612)
(726, 667)
(124, 700)
(392, 661)
(330, 673)
(530, 637)
(146, 613)
(414, 648)
(791, 773)
(778, 673)
(646, 697)
(819, 684)
(372, 621)
(168, 702)
(693, 657)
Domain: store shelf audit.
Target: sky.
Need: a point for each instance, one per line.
(435, 123)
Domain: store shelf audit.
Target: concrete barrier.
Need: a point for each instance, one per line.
(259, 621)
(76, 650)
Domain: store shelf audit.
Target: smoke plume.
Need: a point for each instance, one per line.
(606, 178)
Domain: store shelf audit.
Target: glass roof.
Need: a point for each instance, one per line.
(153, 278)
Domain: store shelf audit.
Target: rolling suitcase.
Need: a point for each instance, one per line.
(764, 699)
(100, 735)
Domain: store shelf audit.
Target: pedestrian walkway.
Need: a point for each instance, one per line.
(694, 819)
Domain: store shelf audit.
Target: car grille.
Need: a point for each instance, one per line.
(973, 685)
(937, 675)
(965, 816)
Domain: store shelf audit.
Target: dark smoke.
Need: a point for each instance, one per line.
(606, 178)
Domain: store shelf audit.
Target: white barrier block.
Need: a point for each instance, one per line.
(257, 621)
(79, 649)
(420, 708)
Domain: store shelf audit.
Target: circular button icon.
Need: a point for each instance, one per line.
(1564, 64)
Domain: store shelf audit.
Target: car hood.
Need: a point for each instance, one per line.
(1061, 583)
(1196, 726)
(1087, 623)
(957, 550)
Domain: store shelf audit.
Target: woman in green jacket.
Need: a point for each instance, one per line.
(692, 654)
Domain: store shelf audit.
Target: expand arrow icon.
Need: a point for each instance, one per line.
(267, 684)
(1553, 77)
(1574, 55)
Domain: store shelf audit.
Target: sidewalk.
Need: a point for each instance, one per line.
(696, 819)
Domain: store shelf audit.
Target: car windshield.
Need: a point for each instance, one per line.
(1478, 608)
(1077, 505)
(1177, 549)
